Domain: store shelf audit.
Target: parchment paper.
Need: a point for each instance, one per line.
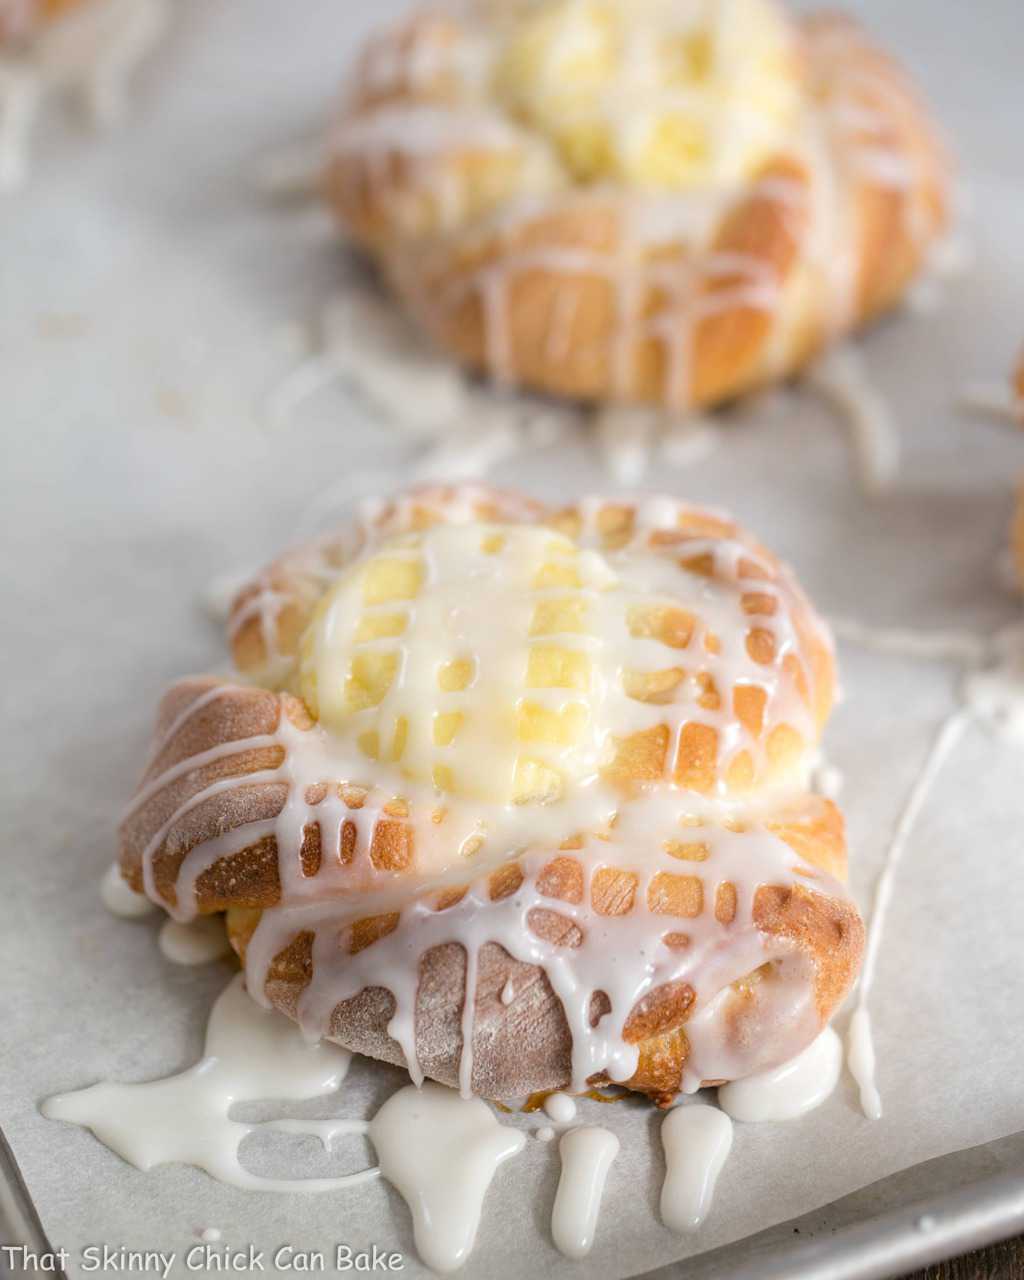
(149, 304)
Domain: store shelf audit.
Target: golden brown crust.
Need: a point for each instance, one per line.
(529, 286)
(526, 1045)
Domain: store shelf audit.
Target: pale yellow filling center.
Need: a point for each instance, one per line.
(660, 94)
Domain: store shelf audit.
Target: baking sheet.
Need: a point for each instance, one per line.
(150, 304)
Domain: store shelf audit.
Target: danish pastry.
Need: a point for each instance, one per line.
(668, 201)
(517, 797)
(20, 18)
(90, 48)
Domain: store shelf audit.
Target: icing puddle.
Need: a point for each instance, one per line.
(440, 1151)
(250, 1054)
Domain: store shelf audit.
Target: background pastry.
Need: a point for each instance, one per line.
(668, 202)
(555, 759)
(89, 47)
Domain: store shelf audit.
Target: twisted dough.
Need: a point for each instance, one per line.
(631, 882)
(612, 290)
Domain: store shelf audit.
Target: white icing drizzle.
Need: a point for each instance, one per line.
(92, 49)
(950, 257)
(860, 1047)
(630, 437)
(471, 453)
(220, 592)
(199, 941)
(425, 130)
(441, 1152)
(626, 438)
(841, 377)
(626, 956)
(697, 1140)
(688, 440)
(789, 1091)
(992, 691)
(560, 1108)
(120, 899)
(251, 1054)
(826, 778)
(367, 342)
(587, 1155)
(995, 693)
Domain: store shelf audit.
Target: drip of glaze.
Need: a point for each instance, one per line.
(626, 437)
(251, 1053)
(470, 454)
(441, 1152)
(697, 1139)
(120, 899)
(587, 1155)
(860, 1051)
(560, 1108)
(840, 376)
(219, 594)
(788, 1091)
(369, 345)
(950, 257)
(826, 779)
(200, 941)
(995, 693)
(688, 440)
